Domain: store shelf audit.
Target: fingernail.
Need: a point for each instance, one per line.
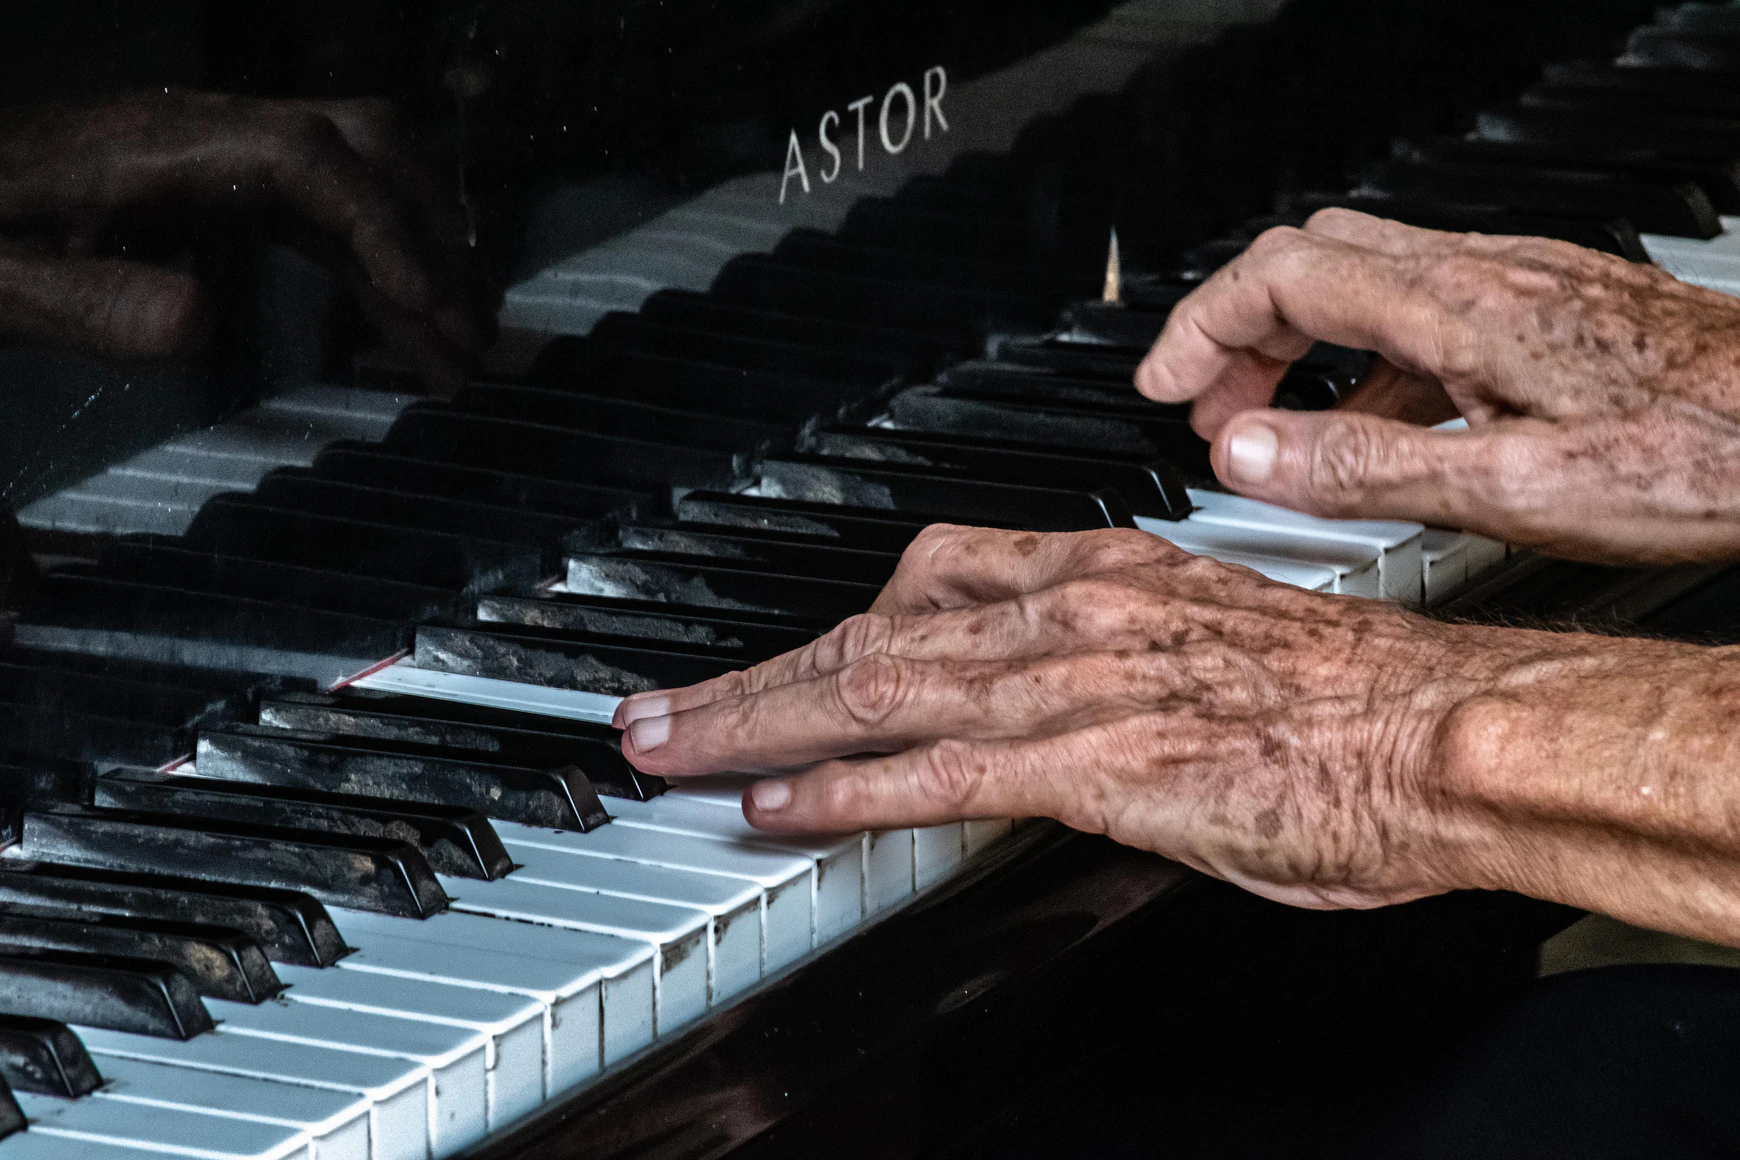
(649, 733)
(770, 795)
(1250, 454)
(639, 708)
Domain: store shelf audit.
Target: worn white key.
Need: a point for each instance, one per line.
(1355, 565)
(1397, 542)
(842, 865)
(397, 1089)
(625, 967)
(1311, 577)
(785, 878)
(336, 1123)
(512, 1024)
(457, 1058)
(162, 1130)
(677, 935)
(981, 834)
(1444, 564)
(936, 853)
(406, 678)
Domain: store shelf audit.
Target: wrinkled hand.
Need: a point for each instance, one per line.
(343, 169)
(1603, 396)
(1289, 742)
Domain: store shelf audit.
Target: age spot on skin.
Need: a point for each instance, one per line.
(1027, 544)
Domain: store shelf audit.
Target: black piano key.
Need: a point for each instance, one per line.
(602, 414)
(865, 368)
(875, 529)
(371, 467)
(362, 873)
(1658, 98)
(1664, 46)
(36, 779)
(757, 638)
(688, 580)
(222, 964)
(986, 272)
(560, 453)
(116, 618)
(915, 355)
(661, 380)
(556, 798)
(1681, 89)
(816, 557)
(453, 724)
(1720, 180)
(290, 926)
(119, 994)
(165, 562)
(862, 483)
(459, 842)
(117, 696)
(1113, 324)
(71, 735)
(1678, 209)
(595, 749)
(241, 526)
(45, 1057)
(218, 683)
(614, 666)
(1151, 489)
(1039, 384)
(1711, 138)
(1615, 236)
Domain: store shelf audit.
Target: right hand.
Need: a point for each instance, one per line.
(344, 169)
(1603, 397)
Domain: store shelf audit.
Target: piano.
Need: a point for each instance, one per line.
(317, 843)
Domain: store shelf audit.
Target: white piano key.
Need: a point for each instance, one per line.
(512, 1024)
(72, 511)
(936, 853)
(732, 905)
(843, 866)
(1355, 565)
(1484, 555)
(677, 936)
(1311, 577)
(406, 678)
(786, 878)
(456, 1058)
(1396, 541)
(625, 965)
(36, 1146)
(979, 835)
(162, 1130)
(1444, 564)
(397, 1089)
(336, 1123)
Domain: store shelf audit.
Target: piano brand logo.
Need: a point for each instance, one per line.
(902, 114)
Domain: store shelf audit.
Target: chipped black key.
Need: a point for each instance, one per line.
(874, 529)
(370, 466)
(223, 964)
(698, 581)
(45, 1057)
(737, 634)
(118, 994)
(614, 666)
(456, 841)
(814, 557)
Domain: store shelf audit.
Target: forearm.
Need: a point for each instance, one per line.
(1608, 778)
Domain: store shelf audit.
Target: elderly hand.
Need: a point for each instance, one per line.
(368, 203)
(1603, 397)
(1296, 744)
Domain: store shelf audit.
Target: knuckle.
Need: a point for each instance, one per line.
(951, 774)
(858, 636)
(873, 688)
(1344, 458)
(1115, 548)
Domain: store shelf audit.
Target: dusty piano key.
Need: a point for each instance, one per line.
(455, 840)
(639, 333)
(364, 873)
(525, 738)
(405, 679)
(291, 927)
(734, 907)
(824, 479)
(394, 1089)
(512, 1024)
(1152, 489)
(815, 557)
(399, 771)
(708, 583)
(137, 995)
(1397, 543)
(621, 997)
(1355, 566)
(688, 385)
(607, 415)
(873, 529)
(565, 660)
(1666, 46)
(912, 353)
(677, 935)
(1659, 207)
(756, 637)
(336, 1123)
(453, 1059)
(511, 445)
(797, 902)
(44, 1056)
(146, 622)
(240, 526)
(151, 1128)
(370, 466)
(222, 964)
(1053, 425)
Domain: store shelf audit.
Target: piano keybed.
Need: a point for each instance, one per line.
(364, 873)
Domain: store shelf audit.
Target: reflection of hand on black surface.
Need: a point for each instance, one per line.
(343, 169)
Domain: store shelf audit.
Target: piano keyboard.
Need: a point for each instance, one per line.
(364, 874)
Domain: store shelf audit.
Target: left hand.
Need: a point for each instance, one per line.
(1289, 742)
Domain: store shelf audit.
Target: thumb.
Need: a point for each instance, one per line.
(1343, 464)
